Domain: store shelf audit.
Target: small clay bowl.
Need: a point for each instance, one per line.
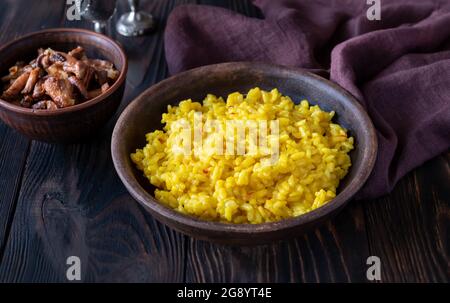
(70, 124)
(143, 115)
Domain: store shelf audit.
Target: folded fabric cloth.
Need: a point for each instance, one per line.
(397, 67)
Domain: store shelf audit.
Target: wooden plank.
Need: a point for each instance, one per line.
(14, 147)
(408, 229)
(335, 252)
(13, 151)
(72, 203)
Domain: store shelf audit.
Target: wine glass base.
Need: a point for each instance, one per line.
(135, 24)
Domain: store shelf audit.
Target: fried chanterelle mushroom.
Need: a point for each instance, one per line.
(57, 79)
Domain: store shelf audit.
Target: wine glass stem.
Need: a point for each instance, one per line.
(100, 27)
(134, 4)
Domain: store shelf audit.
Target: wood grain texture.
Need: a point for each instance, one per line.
(11, 169)
(72, 203)
(331, 253)
(409, 229)
(69, 201)
(14, 147)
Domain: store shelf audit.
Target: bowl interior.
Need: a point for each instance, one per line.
(144, 115)
(25, 48)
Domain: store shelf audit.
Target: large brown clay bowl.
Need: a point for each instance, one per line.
(144, 115)
(70, 124)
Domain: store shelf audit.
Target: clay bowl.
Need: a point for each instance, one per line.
(77, 122)
(144, 115)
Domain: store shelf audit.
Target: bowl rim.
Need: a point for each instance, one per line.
(122, 76)
(159, 210)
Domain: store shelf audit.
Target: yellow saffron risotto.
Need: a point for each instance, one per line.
(245, 188)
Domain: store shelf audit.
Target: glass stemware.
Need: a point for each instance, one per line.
(135, 23)
(99, 12)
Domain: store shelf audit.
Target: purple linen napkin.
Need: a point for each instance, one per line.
(397, 67)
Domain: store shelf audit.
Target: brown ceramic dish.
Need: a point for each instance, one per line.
(73, 123)
(144, 115)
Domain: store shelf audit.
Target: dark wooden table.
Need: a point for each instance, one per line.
(62, 200)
